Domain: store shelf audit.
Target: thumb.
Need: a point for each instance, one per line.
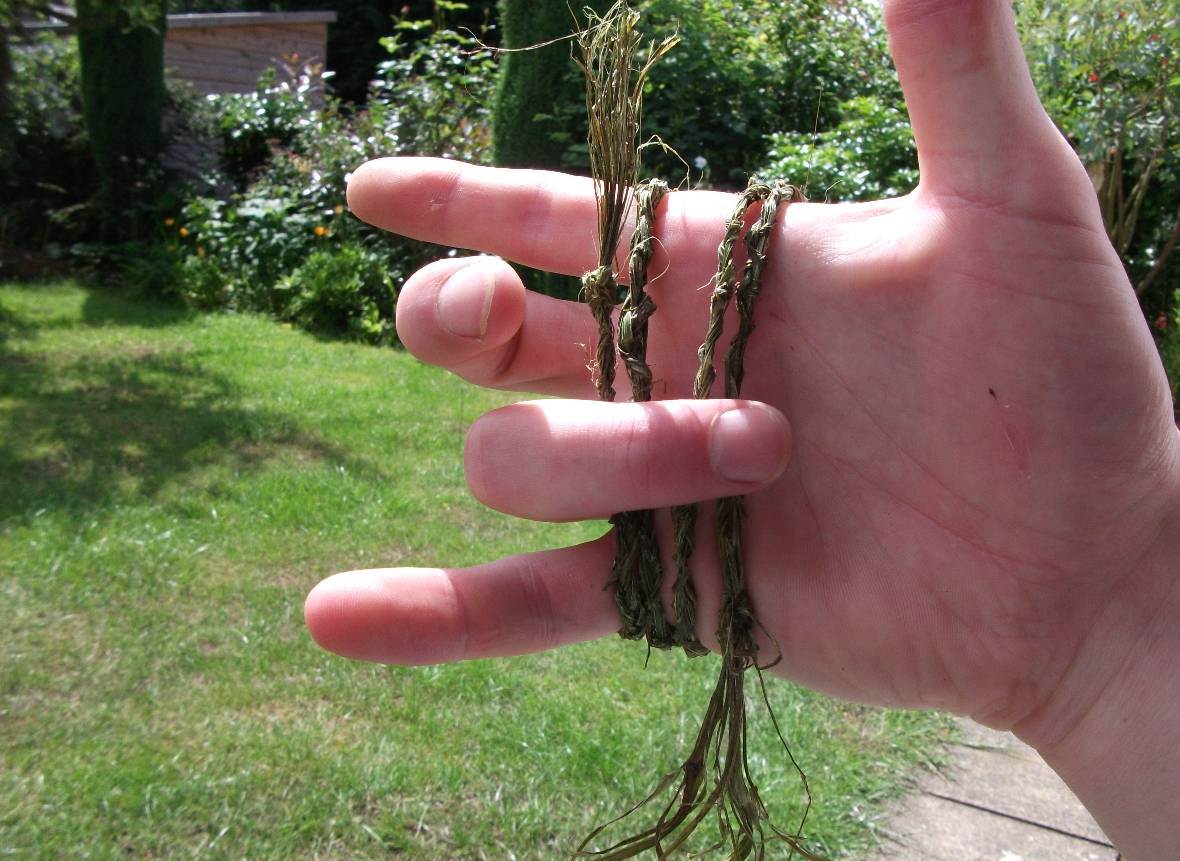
(977, 119)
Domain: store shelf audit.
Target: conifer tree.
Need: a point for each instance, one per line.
(121, 49)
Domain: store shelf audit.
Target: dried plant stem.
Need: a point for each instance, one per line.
(614, 105)
(736, 625)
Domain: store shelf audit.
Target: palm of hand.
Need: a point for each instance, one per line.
(970, 394)
(983, 446)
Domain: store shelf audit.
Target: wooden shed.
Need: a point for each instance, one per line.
(226, 52)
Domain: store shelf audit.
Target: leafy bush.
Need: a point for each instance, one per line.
(1107, 74)
(433, 95)
(202, 284)
(284, 243)
(252, 125)
(870, 154)
(747, 68)
(46, 171)
(255, 239)
(349, 289)
(743, 69)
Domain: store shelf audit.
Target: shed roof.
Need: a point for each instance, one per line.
(248, 19)
(63, 17)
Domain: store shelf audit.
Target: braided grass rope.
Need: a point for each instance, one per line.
(614, 104)
(684, 517)
(715, 779)
(636, 573)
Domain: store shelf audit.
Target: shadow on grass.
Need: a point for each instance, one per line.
(107, 308)
(81, 432)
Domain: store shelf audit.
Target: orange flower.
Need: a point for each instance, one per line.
(200, 250)
(183, 232)
(168, 222)
(339, 209)
(320, 230)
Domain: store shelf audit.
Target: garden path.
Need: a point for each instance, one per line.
(996, 801)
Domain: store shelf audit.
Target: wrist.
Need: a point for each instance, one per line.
(1112, 731)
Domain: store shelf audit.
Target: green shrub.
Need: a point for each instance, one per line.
(527, 130)
(743, 69)
(747, 68)
(433, 95)
(284, 243)
(349, 289)
(47, 175)
(202, 284)
(253, 125)
(1107, 74)
(146, 268)
(869, 155)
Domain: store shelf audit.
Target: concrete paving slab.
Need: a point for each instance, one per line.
(999, 772)
(997, 801)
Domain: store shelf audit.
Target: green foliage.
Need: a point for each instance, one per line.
(743, 70)
(869, 155)
(747, 68)
(144, 268)
(202, 283)
(348, 289)
(283, 243)
(1109, 75)
(256, 239)
(432, 96)
(252, 124)
(49, 171)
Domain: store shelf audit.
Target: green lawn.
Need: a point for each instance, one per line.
(173, 484)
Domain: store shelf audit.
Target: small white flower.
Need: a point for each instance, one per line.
(700, 162)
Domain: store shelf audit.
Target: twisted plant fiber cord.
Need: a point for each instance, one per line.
(636, 573)
(736, 626)
(736, 623)
(614, 105)
(719, 751)
(684, 517)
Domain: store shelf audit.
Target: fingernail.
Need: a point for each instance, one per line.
(750, 443)
(464, 300)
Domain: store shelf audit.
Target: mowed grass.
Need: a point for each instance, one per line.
(173, 484)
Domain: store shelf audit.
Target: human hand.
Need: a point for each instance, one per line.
(980, 509)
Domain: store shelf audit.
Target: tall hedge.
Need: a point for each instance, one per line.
(121, 49)
(532, 121)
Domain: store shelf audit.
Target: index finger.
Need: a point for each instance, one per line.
(538, 218)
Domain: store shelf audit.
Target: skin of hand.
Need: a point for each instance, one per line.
(975, 505)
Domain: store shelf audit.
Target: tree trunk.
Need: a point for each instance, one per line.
(121, 48)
